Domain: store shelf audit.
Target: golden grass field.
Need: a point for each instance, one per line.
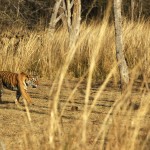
(78, 104)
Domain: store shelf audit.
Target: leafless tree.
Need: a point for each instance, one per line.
(74, 24)
(70, 13)
(132, 9)
(123, 69)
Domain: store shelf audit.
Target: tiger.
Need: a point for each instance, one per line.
(17, 82)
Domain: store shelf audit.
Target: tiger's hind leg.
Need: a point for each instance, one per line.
(18, 95)
(1, 90)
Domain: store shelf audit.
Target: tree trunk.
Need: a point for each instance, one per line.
(132, 9)
(73, 20)
(123, 69)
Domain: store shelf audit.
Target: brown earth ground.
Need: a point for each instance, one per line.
(15, 127)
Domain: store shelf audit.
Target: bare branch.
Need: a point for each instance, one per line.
(53, 21)
(59, 17)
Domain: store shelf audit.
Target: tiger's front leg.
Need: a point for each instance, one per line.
(1, 90)
(18, 95)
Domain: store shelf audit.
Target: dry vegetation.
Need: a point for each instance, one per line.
(82, 83)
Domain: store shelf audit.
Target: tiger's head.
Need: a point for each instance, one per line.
(30, 80)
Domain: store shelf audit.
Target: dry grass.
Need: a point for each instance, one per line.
(125, 124)
(45, 54)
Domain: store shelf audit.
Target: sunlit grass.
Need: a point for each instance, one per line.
(92, 59)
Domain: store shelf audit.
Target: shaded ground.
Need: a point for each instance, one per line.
(14, 125)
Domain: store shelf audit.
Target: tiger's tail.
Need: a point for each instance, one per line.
(21, 80)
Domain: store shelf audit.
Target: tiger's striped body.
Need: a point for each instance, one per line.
(17, 82)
